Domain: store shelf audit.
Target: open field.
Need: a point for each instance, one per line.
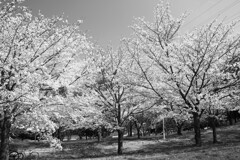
(173, 148)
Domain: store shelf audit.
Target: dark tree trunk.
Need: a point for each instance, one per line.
(58, 133)
(230, 121)
(5, 135)
(120, 141)
(130, 129)
(120, 130)
(155, 129)
(143, 132)
(235, 116)
(179, 129)
(229, 117)
(164, 129)
(138, 133)
(138, 129)
(99, 134)
(80, 134)
(61, 137)
(197, 130)
(212, 121)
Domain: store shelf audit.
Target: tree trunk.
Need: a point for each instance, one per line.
(61, 136)
(155, 129)
(130, 129)
(230, 121)
(164, 134)
(213, 126)
(179, 129)
(235, 116)
(120, 141)
(99, 134)
(197, 130)
(138, 133)
(138, 129)
(143, 132)
(80, 136)
(120, 130)
(58, 133)
(5, 135)
(229, 117)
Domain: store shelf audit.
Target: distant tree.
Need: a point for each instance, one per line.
(180, 117)
(140, 121)
(110, 91)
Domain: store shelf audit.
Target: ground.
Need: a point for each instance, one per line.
(151, 147)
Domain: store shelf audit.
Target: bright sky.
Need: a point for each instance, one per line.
(107, 21)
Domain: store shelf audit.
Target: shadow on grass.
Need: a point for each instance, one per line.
(167, 148)
(146, 146)
(26, 143)
(108, 149)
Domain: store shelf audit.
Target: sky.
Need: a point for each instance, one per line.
(107, 21)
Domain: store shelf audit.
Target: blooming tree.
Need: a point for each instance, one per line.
(35, 51)
(111, 92)
(187, 67)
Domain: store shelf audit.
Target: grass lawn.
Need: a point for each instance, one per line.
(173, 148)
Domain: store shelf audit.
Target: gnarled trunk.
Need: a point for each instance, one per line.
(197, 130)
(5, 135)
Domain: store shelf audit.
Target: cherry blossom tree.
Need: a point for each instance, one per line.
(140, 121)
(35, 51)
(188, 67)
(179, 114)
(111, 92)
